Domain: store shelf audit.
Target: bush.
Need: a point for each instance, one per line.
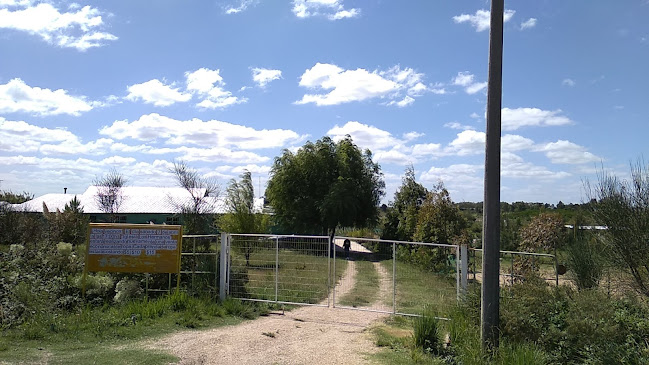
(426, 333)
(127, 289)
(585, 263)
(576, 327)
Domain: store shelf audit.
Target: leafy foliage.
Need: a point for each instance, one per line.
(67, 226)
(623, 206)
(439, 220)
(241, 217)
(325, 185)
(15, 198)
(586, 262)
(402, 214)
(576, 327)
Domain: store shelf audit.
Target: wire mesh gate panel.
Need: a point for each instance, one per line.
(396, 277)
(517, 266)
(281, 269)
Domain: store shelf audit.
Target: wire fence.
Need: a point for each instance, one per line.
(199, 264)
(397, 277)
(516, 267)
(281, 269)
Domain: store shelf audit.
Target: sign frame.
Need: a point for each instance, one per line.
(150, 240)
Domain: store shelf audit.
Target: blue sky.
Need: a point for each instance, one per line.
(227, 85)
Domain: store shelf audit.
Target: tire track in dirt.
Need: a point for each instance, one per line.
(306, 335)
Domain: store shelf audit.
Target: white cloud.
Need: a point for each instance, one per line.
(331, 9)
(19, 136)
(364, 135)
(210, 133)
(566, 152)
(456, 125)
(202, 80)
(393, 156)
(243, 5)
(157, 93)
(466, 80)
(529, 23)
(513, 119)
(426, 149)
(513, 166)
(346, 86)
(412, 135)
(16, 96)
(76, 147)
(513, 142)
(386, 147)
(568, 82)
(213, 154)
(481, 19)
(403, 103)
(468, 142)
(77, 29)
(262, 76)
(209, 85)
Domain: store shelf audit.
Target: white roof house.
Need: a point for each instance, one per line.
(135, 199)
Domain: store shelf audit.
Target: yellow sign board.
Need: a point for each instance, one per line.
(137, 248)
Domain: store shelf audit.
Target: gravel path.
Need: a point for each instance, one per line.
(307, 335)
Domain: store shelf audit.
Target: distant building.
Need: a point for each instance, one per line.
(139, 205)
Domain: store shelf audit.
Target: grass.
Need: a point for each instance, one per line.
(417, 287)
(302, 277)
(366, 288)
(106, 335)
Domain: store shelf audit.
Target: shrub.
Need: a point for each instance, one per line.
(576, 327)
(127, 289)
(426, 333)
(585, 263)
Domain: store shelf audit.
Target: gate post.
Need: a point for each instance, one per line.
(225, 258)
(464, 262)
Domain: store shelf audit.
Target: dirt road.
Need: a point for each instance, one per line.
(307, 335)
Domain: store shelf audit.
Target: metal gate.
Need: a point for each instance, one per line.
(396, 277)
(278, 268)
(373, 275)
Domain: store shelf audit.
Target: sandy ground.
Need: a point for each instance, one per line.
(307, 335)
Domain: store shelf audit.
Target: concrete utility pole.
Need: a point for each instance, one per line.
(491, 219)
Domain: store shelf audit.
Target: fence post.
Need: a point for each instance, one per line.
(223, 284)
(276, 268)
(464, 266)
(457, 271)
(332, 283)
(394, 278)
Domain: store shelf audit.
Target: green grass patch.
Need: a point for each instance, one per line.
(302, 277)
(417, 287)
(105, 335)
(366, 288)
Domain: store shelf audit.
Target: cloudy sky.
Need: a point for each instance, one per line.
(227, 85)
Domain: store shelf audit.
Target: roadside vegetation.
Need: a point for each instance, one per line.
(597, 315)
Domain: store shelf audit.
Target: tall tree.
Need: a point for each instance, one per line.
(109, 195)
(439, 220)
(241, 217)
(196, 211)
(239, 201)
(325, 185)
(401, 216)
